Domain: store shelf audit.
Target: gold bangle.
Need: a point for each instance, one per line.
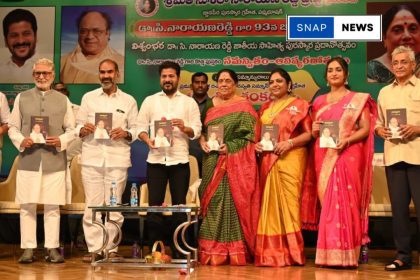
(290, 141)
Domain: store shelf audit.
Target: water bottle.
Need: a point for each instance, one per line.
(61, 249)
(135, 251)
(364, 254)
(113, 196)
(134, 198)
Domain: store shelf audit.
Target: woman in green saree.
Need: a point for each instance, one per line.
(229, 192)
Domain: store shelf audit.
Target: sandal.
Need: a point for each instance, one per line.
(396, 266)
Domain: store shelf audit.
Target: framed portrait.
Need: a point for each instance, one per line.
(30, 36)
(90, 34)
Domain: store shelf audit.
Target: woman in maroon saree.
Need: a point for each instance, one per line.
(229, 192)
(343, 174)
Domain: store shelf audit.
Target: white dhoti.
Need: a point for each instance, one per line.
(97, 183)
(36, 187)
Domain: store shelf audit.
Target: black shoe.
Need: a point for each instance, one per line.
(54, 256)
(396, 266)
(27, 256)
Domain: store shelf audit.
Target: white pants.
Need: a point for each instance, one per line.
(28, 226)
(97, 183)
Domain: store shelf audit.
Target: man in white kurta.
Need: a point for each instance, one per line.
(41, 174)
(105, 160)
(169, 164)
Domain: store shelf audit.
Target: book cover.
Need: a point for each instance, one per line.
(39, 129)
(269, 136)
(215, 134)
(163, 134)
(395, 118)
(103, 123)
(329, 132)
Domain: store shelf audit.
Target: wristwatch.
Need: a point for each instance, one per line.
(129, 136)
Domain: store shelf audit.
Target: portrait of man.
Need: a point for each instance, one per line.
(267, 142)
(36, 134)
(28, 34)
(90, 35)
(101, 132)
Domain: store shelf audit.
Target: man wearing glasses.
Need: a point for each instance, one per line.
(401, 156)
(41, 174)
(81, 65)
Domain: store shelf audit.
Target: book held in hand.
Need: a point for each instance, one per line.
(269, 136)
(328, 134)
(103, 123)
(395, 118)
(215, 134)
(163, 134)
(39, 129)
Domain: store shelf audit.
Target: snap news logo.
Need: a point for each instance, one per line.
(339, 28)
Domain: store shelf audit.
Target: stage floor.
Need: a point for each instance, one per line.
(74, 268)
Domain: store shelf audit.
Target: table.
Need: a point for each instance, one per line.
(191, 256)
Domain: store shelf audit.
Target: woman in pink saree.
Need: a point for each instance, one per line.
(343, 174)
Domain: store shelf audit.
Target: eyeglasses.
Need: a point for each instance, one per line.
(402, 62)
(95, 31)
(38, 74)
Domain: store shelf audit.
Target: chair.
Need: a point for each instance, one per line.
(192, 198)
(8, 192)
(77, 205)
(380, 204)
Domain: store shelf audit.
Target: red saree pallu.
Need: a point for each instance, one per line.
(229, 193)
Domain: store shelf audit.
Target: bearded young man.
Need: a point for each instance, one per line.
(169, 163)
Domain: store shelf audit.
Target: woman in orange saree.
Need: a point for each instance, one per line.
(279, 237)
(229, 192)
(343, 174)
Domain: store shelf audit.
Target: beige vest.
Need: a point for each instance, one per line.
(54, 105)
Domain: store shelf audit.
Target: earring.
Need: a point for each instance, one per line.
(346, 82)
(289, 91)
(328, 84)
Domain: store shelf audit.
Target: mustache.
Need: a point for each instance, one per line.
(25, 44)
(106, 80)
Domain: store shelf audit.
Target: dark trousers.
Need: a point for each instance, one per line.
(158, 176)
(403, 185)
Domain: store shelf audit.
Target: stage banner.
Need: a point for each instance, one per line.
(248, 36)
